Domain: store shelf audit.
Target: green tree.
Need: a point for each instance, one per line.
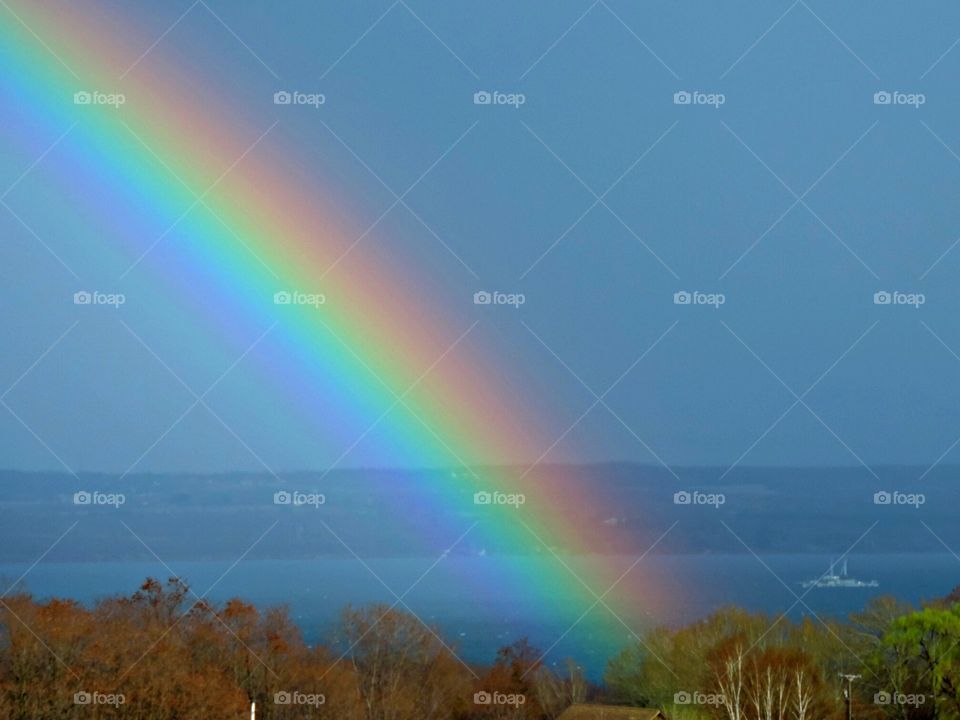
(923, 651)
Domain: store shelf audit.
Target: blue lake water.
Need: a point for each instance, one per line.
(476, 616)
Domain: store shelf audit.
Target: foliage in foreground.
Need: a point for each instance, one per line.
(164, 654)
(736, 665)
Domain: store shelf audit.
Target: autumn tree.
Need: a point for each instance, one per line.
(403, 669)
(555, 692)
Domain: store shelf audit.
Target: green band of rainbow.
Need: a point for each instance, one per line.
(269, 218)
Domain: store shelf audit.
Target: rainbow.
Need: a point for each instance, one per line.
(248, 218)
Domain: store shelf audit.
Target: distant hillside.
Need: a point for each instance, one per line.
(390, 513)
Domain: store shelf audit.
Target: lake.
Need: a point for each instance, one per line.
(477, 617)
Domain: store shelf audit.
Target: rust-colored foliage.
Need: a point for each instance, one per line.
(163, 654)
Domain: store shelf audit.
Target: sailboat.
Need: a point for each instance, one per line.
(833, 580)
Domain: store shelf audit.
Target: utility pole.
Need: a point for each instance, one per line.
(848, 693)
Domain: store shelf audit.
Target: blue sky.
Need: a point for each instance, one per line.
(796, 199)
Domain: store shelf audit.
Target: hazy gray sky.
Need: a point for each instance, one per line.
(798, 198)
